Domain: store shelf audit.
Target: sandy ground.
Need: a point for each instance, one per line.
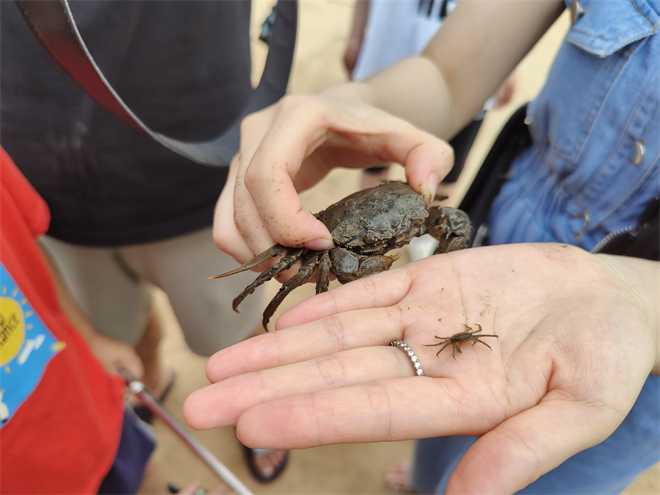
(339, 469)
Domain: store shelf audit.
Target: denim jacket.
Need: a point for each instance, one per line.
(595, 126)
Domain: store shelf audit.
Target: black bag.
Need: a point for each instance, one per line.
(639, 241)
(513, 139)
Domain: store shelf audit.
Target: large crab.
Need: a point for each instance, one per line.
(364, 226)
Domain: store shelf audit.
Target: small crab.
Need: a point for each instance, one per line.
(460, 338)
(364, 226)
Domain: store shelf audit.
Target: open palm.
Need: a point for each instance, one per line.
(574, 348)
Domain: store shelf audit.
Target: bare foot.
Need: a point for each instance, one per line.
(397, 477)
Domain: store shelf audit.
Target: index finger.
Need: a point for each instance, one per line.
(306, 124)
(377, 291)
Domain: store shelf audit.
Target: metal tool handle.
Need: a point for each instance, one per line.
(138, 389)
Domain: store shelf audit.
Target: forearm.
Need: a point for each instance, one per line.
(413, 90)
(440, 90)
(643, 278)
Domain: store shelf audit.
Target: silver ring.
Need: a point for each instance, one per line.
(404, 347)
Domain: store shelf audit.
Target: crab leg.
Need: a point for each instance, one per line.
(305, 273)
(439, 343)
(323, 275)
(260, 258)
(482, 342)
(284, 264)
(456, 348)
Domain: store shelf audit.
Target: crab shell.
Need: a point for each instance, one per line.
(395, 213)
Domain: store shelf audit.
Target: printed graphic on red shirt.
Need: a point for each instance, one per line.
(26, 347)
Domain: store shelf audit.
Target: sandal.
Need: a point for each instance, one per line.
(251, 456)
(143, 412)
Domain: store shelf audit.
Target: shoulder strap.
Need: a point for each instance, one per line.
(52, 23)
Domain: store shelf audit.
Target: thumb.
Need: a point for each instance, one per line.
(426, 164)
(531, 443)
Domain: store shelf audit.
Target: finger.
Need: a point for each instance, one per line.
(240, 230)
(530, 444)
(209, 408)
(226, 235)
(335, 334)
(377, 291)
(386, 410)
(418, 164)
(303, 127)
(132, 364)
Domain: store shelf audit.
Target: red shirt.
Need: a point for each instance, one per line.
(61, 412)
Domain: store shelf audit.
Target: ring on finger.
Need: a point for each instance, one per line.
(411, 355)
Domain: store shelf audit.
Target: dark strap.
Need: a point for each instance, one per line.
(52, 23)
(512, 140)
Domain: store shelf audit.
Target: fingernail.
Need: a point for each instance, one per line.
(320, 245)
(431, 187)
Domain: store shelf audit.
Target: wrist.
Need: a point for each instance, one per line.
(643, 279)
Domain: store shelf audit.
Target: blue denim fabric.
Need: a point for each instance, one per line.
(575, 184)
(578, 182)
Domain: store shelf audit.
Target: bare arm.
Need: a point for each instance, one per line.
(473, 52)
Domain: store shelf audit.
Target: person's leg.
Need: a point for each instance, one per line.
(180, 267)
(434, 460)
(115, 299)
(157, 376)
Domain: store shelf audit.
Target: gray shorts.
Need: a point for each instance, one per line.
(113, 288)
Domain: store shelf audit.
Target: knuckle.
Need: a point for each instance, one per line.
(252, 177)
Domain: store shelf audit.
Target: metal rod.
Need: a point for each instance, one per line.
(137, 388)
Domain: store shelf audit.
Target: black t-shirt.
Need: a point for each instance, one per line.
(182, 66)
